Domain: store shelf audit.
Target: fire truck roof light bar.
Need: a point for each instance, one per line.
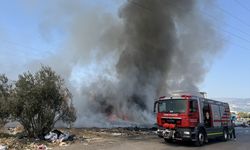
(162, 97)
(186, 96)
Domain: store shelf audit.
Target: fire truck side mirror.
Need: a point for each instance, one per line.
(155, 104)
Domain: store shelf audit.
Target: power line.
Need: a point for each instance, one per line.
(233, 34)
(232, 15)
(243, 48)
(239, 30)
(21, 45)
(140, 6)
(34, 52)
(18, 44)
(242, 5)
(228, 32)
(240, 46)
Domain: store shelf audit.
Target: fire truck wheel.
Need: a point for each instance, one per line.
(168, 140)
(200, 139)
(225, 135)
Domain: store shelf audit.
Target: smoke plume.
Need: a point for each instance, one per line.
(148, 49)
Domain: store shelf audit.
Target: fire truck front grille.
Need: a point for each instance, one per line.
(170, 120)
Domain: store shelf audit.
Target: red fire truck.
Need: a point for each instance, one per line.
(192, 117)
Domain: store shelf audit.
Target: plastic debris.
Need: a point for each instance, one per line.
(58, 136)
(42, 147)
(3, 147)
(63, 144)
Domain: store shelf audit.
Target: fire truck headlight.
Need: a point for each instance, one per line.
(187, 132)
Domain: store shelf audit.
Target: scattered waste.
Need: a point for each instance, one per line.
(63, 144)
(66, 137)
(58, 136)
(3, 147)
(42, 147)
(116, 134)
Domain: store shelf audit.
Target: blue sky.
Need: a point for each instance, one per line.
(22, 42)
(230, 72)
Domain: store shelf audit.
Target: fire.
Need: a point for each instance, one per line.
(114, 117)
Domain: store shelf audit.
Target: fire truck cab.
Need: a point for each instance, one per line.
(190, 117)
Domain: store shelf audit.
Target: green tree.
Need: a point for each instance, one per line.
(243, 114)
(5, 92)
(40, 100)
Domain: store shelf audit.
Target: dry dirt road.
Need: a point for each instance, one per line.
(152, 142)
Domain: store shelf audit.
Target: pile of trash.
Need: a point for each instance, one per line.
(58, 136)
(14, 138)
(3, 147)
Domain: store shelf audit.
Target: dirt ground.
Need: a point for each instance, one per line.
(150, 141)
(126, 139)
(11, 138)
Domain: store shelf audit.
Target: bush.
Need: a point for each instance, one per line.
(5, 92)
(40, 100)
(244, 115)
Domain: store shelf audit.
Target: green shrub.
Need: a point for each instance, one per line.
(40, 100)
(5, 93)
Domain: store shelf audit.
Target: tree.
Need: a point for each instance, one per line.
(40, 100)
(243, 114)
(5, 92)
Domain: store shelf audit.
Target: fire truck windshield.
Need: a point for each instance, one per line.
(173, 106)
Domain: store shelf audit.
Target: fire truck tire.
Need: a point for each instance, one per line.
(225, 135)
(168, 140)
(200, 138)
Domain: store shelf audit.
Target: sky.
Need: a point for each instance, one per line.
(24, 39)
(229, 75)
